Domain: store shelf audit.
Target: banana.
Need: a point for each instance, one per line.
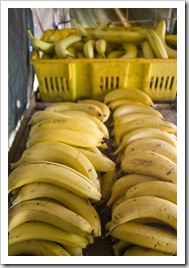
(108, 180)
(115, 54)
(80, 30)
(159, 238)
(89, 49)
(73, 251)
(132, 116)
(61, 153)
(86, 107)
(61, 175)
(136, 108)
(144, 251)
(121, 130)
(118, 36)
(37, 247)
(113, 105)
(128, 93)
(138, 207)
(86, 116)
(100, 46)
(156, 44)
(78, 46)
(61, 46)
(171, 39)
(74, 202)
(154, 145)
(48, 212)
(130, 51)
(147, 50)
(161, 31)
(103, 26)
(120, 246)
(68, 136)
(71, 123)
(123, 184)
(104, 108)
(140, 133)
(162, 189)
(45, 231)
(40, 45)
(117, 202)
(44, 115)
(150, 163)
(101, 162)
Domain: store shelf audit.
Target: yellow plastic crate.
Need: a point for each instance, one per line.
(72, 79)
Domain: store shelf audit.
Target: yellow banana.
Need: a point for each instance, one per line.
(41, 45)
(37, 247)
(129, 93)
(61, 153)
(44, 115)
(161, 31)
(101, 162)
(45, 231)
(104, 108)
(61, 46)
(130, 51)
(113, 105)
(171, 39)
(115, 54)
(73, 251)
(74, 202)
(71, 123)
(162, 239)
(150, 163)
(100, 46)
(144, 251)
(156, 44)
(123, 184)
(138, 207)
(118, 36)
(89, 49)
(132, 116)
(86, 116)
(162, 189)
(147, 50)
(108, 180)
(120, 246)
(68, 136)
(58, 174)
(154, 145)
(48, 212)
(121, 130)
(136, 108)
(86, 107)
(144, 133)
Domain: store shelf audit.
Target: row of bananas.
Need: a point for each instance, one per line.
(102, 42)
(55, 185)
(143, 198)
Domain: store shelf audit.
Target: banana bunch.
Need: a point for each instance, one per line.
(54, 186)
(104, 42)
(143, 198)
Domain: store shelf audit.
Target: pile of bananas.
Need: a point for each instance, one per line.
(143, 199)
(55, 186)
(121, 153)
(103, 42)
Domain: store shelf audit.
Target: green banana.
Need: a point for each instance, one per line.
(61, 46)
(40, 45)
